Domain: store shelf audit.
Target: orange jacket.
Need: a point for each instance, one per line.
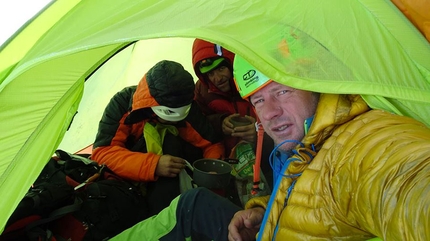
(121, 128)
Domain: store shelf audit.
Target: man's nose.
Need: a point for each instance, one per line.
(216, 77)
(271, 109)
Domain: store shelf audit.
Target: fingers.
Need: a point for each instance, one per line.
(235, 225)
(245, 224)
(245, 129)
(227, 126)
(169, 166)
(227, 121)
(247, 133)
(178, 160)
(177, 164)
(171, 172)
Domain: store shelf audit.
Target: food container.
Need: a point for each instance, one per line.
(211, 173)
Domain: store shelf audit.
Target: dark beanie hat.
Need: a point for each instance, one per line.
(170, 84)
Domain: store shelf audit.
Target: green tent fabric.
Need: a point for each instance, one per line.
(365, 47)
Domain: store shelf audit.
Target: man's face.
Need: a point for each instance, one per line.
(282, 111)
(221, 77)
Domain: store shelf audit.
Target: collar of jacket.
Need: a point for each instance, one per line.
(332, 110)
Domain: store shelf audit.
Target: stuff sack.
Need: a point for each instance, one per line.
(244, 152)
(74, 198)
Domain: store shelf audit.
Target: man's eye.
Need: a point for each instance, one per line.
(282, 92)
(256, 102)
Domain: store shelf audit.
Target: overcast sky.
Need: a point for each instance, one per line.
(15, 13)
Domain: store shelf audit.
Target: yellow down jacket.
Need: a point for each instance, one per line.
(369, 177)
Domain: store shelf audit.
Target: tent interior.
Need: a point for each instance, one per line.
(58, 71)
(124, 68)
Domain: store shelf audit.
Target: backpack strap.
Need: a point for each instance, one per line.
(56, 214)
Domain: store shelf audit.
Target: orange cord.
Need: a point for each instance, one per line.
(256, 166)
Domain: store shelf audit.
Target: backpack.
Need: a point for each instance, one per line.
(75, 198)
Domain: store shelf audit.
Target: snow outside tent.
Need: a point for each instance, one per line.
(362, 47)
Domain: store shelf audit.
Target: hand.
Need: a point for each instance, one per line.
(248, 132)
(245, 224)
(227, 126)
(169, 166)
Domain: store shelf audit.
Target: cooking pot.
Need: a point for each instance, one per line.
(211, 173)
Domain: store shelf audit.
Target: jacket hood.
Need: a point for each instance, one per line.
(203, 50)
(167, 83)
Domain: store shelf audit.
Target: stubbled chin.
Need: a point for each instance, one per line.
(225, 89)
(287, 146)
(224, 86)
